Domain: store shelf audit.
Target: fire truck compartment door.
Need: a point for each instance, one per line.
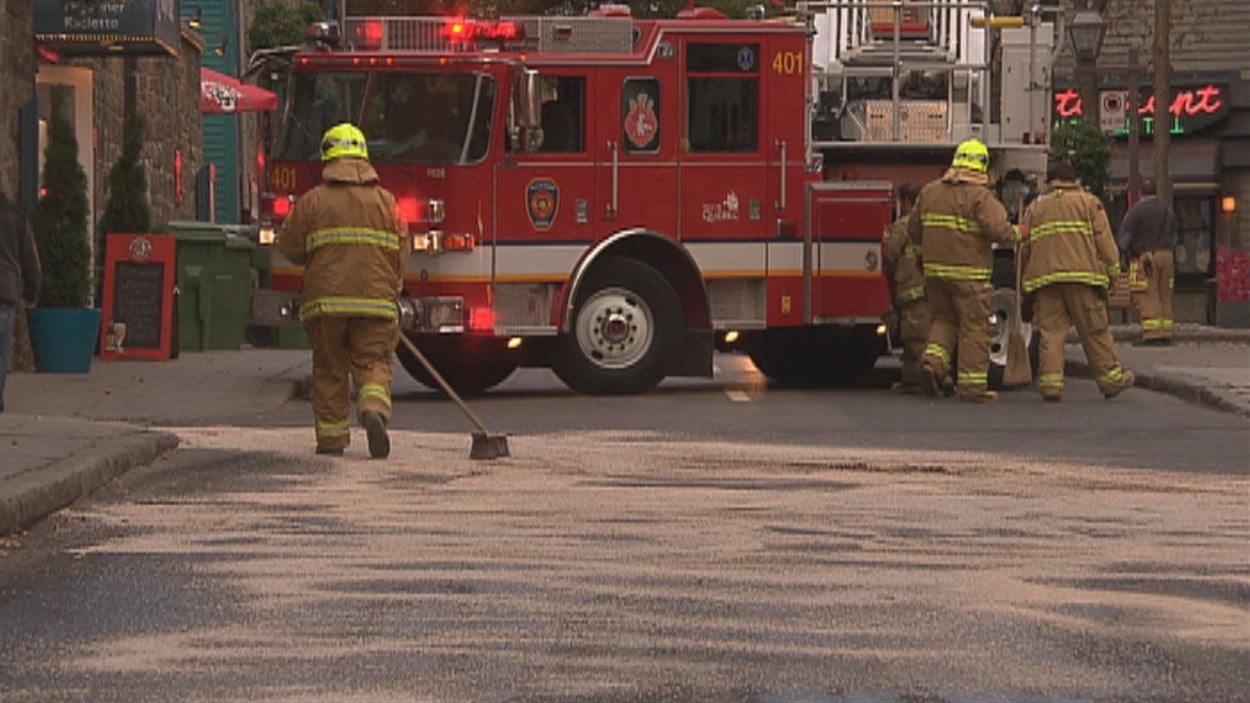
(845, 225)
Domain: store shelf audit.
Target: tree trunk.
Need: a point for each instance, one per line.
(1162, 61)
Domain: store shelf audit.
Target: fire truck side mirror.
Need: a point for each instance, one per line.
(527, 107)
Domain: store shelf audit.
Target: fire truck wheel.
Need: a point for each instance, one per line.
(626, 331)
(470, 366)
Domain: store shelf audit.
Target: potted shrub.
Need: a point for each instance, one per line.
(126, 210)
(63, 329)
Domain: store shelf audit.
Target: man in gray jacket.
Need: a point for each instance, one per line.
(20, 276)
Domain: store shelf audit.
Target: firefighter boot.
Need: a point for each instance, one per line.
(934, 384)
(375, 430)
(905, 388)
(1126, 382)
(986, 397)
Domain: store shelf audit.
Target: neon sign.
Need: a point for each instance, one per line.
(1192, 109)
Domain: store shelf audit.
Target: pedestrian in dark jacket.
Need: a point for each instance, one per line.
(20, 276)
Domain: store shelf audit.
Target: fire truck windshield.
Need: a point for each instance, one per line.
(407, 116)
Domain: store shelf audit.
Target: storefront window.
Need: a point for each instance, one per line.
(1195, 227)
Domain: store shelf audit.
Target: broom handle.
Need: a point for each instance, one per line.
(1019, 292)
(442, 382)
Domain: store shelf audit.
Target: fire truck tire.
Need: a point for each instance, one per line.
(470, 366)
(626, 334)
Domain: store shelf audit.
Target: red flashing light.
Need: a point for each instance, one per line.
(369, 34)
(409, 209)
(461, 30)
(260, 159)
(458, 30)
(482, 319)
(281, 207)
(503, 31)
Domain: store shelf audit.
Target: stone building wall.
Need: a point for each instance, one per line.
(17, 87)
(167, 94)
(17, 84)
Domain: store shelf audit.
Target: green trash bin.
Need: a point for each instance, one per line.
(215, 281)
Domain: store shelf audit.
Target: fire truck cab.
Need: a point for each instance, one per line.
(609, 196)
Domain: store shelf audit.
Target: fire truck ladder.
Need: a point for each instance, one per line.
(907, 71)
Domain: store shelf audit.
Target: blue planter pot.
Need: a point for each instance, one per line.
(63, 339)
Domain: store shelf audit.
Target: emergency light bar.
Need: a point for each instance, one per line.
(463, 30)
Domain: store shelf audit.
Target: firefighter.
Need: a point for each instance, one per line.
(955, 222)
(907, 281)
(1068, 258)
(1148, 236)
(348, 235)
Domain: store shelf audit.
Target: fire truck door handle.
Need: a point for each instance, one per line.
(780, 146)
(614, 148)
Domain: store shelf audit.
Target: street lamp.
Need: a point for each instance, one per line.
(1086, 32)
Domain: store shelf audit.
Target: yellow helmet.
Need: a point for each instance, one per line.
(343, 140)
(972, 155)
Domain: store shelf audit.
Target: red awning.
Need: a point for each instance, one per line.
(221, 94)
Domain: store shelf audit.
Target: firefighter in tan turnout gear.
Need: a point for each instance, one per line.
(903, 263)
(348, 235)
(1148, 236)
(1069, 258)
(955, 222)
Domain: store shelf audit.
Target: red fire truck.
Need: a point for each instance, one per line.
(616, 197)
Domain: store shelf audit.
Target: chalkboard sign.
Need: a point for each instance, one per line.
(138, 296)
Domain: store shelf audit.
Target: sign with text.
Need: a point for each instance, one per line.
(108, 27)
(138, 300)
(1193, 109)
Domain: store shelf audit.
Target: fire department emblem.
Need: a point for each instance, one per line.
(543, 198)
(139, 249)
(746, 59)
(641, 123)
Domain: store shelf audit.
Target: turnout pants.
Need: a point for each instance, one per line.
(961, 322)
(1152, 293)
(913, 324)
(1062, 305)
(347, 350)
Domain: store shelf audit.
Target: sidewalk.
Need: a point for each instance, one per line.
(66, 435)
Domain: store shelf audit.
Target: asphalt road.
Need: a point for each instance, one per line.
(722, 541)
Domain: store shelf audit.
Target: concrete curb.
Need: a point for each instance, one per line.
(39, 493)
(1184, 387)
(1184, 332)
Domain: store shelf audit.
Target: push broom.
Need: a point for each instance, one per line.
(485, 445)
(1019, 371)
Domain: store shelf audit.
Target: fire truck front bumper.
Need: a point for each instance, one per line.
(435, 314)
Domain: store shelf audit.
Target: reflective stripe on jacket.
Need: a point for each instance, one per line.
(1069, 240)
(955, 221)
(348, 235)
(904, 260)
